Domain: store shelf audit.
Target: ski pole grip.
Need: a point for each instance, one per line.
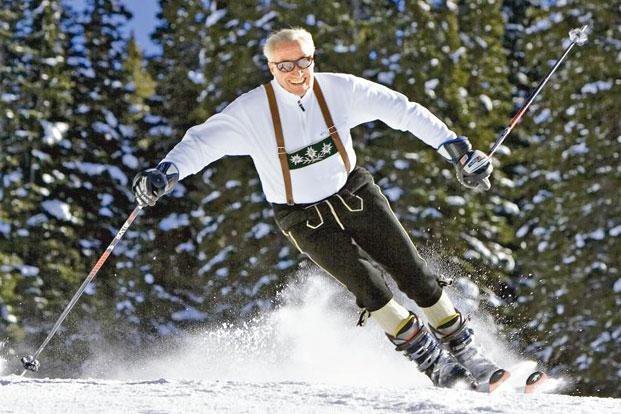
(487, 184)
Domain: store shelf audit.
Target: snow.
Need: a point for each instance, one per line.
(401, 164)
(577, 149)
(232, 184)
(595, 87)
(28, 271)
(430, 85)
(543, 116)
(91, 169)
(522, 231)
(546, 22)
(218, 258)
(431, 212)
(214, 17)
(553, 176)
(260, 230)
(393, 194)
(455, 201)
(541, 196)
(174, 221)
(491, 253)
(189, 314)
(387, 78)
(185, 247)
(105, 129)
(266, 18)
(53, 133)
(58, 209)
(111, 119)
(305, 356)
(196, 77)
(181, 396)
(11, 177)
(598, 234)
(5, 228)
(455, 56)
(8, 97)
(487, 102)
(130, 161)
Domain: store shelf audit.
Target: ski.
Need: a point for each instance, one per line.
(497, 378)
(534, 381)
(503, 379)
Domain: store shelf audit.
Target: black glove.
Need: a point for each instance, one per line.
(149, 185)
(472, 167)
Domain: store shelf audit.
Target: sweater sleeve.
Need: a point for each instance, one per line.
(220, 135)
(372, 101)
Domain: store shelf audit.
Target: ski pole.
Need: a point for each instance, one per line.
(30, 362)
(578, 37)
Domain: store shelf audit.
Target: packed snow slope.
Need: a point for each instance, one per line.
(306, 356)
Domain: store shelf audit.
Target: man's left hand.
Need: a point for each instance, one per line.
(473, 170)
(473, 167)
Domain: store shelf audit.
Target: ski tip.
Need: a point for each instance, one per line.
(498, 377)
(533, 381)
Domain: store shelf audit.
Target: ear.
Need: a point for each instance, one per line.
(273, 68)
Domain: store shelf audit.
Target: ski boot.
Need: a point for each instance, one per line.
(458, 339)
(422, 347)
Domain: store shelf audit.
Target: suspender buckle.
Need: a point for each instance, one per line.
(281, 150)
(331, 129)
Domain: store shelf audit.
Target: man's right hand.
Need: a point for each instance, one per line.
(149, 185)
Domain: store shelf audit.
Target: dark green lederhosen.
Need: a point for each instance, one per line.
(337, 232)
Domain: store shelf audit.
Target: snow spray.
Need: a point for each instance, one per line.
(2, 360)
(310, 337)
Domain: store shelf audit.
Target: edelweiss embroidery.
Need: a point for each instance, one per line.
(312, 154)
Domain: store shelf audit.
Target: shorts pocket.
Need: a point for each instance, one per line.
(352, 202)
(314, 217)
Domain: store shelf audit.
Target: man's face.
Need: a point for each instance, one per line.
(298, 81)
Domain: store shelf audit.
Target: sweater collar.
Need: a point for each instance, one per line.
(288, 98)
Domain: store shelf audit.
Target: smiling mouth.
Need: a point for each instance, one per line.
(300, 82)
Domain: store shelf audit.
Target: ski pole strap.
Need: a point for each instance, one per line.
(330, 124)
(280, 142)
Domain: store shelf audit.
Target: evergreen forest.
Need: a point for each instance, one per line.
(83, 109)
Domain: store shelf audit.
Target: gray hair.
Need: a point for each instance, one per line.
(296, 34)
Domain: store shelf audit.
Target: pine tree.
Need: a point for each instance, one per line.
(39, 221)
(12, 67)
(568, 174)
(215, 71)
(100, 161)
(139, 82)
(429, 54)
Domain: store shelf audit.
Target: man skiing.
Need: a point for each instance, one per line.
(296, 128)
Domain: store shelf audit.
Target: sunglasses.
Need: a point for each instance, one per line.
(288, 66)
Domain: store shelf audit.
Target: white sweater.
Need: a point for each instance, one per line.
(245, 128)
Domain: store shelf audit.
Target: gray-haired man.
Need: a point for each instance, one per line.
(297, 131)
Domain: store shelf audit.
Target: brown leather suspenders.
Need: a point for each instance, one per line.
(330, 124)
(280, 139)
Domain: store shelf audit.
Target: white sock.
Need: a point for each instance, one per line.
(391, 317)
(441, 312)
